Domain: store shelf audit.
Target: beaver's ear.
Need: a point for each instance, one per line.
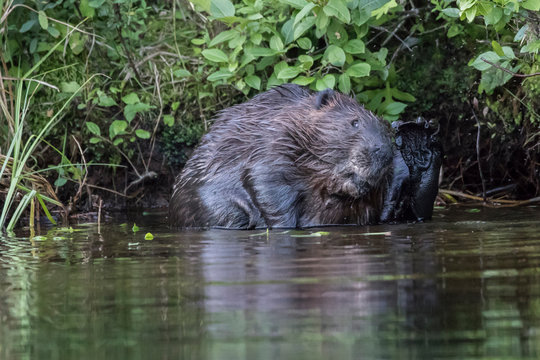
(323, 97)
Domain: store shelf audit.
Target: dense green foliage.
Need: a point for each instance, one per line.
(159, 71)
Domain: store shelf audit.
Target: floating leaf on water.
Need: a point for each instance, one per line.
(135, 228)
(385, 233)
(39, 238)
(57, 238)
(68, 230)
(315, 234)
(475, 210)
(148, 236)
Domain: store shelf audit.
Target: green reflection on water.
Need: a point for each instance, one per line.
(462, 286)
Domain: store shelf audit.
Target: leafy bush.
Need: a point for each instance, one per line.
(511, 23)
(256, 44)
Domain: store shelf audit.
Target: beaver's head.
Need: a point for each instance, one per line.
(348, 148)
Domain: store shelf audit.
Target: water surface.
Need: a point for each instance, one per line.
(462, 286)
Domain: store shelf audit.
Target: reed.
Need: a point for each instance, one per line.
(19, 185)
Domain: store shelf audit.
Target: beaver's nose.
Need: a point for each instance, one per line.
(382, 155)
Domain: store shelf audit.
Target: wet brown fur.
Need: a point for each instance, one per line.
(286, 158)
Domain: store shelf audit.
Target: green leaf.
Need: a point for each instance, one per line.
(224, 36)
(43, 21)
(338, 9)
(96, 4)
(358, 70)
(61, 181)
(302, 13)
(521, 33)
(93, 128)
(221, 8)
(454, 30)
(27, 26)
(69, 87)
(133, 109)
(198, 41)
(532, 5)
(395, 108)
(86, 9)
(143, 134)
(135, 228)
(260, 51)
(298, 4)
(219, 75)
(337, 34)
(344, 83)
(532, 47)
(276, 43)
(288, 73)
(498, 49)
(118, 141)
(215, 55)
(306, 62)
(327, 82)
(481, 65)
(335, 55)
(355, 46)
(494, 77)
(76, 43)
(322, 21)
(253, 81)
(53, 31)
(466, 4)
(451, 12)
(105, 100)
(287, 30)
(168, 120)
(181, 73)
(304, 43)
(304, 26)
(403, 96)
(303, 80)
(508, 52)
(33, 45)
(131, 98)
(148, 236)
(117, 127)
(494, 16)
(360, 16)
(470, 14)
(94, 140)
(237, 41)
(383, 10)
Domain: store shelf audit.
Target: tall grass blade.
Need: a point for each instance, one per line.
(45, 209)
(19, 157)
(18, 211)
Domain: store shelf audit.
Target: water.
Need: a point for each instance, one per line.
(463, 286)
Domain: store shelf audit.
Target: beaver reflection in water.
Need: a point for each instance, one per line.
(288, 158)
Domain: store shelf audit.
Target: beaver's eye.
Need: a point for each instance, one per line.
(355, 123)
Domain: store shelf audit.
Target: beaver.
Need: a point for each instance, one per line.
(289, 157)
(416, 167)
